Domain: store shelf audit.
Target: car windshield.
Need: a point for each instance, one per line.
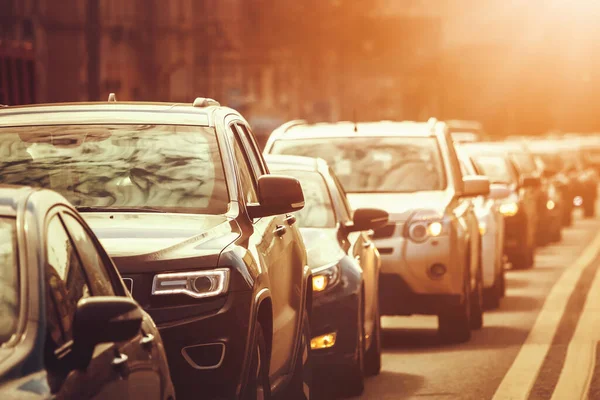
(318, 210)
(9, 280)
(168, 168)
(495, 168)
(552, 161)
(376, 164)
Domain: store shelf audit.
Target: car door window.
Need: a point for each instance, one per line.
(95, 268)
(9, 280)
(256, 159)
(66, 282)
(340, 193)
(245, 174)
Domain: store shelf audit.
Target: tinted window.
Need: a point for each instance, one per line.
(246, 177)
(318, 210)
(376, 164)
(95, 269)
(65, 282)
(254, 153)
(173, 168)
(9, 280)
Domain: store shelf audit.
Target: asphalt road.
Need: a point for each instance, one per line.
(417, 365)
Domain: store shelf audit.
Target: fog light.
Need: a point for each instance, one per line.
(550, 205)
(482, 228)
(577, 201)
(324, 341)
(436, 271)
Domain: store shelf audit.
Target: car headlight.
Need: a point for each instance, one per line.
(198, 284)
(325, 277)
(509, 209)
(425, 225)
(550, 205)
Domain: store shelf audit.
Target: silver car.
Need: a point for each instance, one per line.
(431, 250)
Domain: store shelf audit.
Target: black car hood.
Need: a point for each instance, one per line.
(132, 239)
(322, 246)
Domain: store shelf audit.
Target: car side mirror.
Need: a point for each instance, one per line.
(531, 181)
(277, 195)
(368, 218)
(104, 319)
(499, 191)
(475, 186)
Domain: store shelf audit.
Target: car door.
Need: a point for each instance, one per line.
(140, 356)
(66, 283)
(273, 240)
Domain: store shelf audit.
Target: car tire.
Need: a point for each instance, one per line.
(525, 258)
(454, 325)
(567, 217)
(373, 354)
(477, 301)
(355, 376)
(258, 386)
(300, 386)
(502, 280)
(589, 208)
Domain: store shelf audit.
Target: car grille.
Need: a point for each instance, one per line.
(384, 232)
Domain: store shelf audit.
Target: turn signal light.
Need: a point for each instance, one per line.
(324, 341)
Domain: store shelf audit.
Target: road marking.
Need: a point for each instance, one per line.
(521, 376)
(574, 381)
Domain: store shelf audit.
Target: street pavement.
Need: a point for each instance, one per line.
(540, 343)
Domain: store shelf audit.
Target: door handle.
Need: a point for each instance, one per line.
(147, 340)
(280, 230)
(290, 219)
(120, 360)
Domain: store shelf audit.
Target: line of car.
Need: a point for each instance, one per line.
(152, 250)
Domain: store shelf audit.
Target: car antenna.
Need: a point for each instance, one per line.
(354, 119)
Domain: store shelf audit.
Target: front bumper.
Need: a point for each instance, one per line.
(206, 350)
(407, 285)
(336, 312)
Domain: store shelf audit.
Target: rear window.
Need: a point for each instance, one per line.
(384, 164)
(172, 168)
(9, 280)
(318, 210)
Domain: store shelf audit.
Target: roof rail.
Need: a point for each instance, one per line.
(205, 102)
(288, 125)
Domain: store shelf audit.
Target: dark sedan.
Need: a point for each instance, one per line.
(345, 266)
(182, 200)
(68, 327)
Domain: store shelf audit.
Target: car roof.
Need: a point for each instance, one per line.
(360, 129)
(108, 113)
(283, 162)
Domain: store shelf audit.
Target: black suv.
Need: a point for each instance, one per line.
(182, 200)
(68, 327)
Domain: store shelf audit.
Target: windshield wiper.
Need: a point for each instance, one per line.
(118, 209)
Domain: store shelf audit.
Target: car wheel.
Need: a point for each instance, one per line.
(477, 302)
(567, 219)
(300, 386)
(502, 280)
(454, 325)
(525, 258)
(589, 208)
(355, 377)
(258, 386)
(373, 354)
